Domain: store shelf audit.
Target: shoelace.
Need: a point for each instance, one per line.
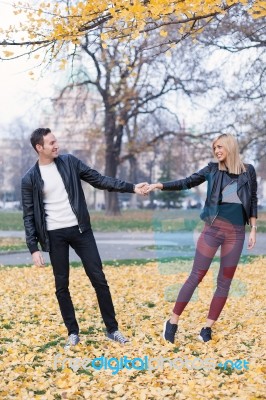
(119, 337)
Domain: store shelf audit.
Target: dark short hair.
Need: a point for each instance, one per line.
(37, 137)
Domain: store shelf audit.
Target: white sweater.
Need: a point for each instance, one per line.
(58, 211)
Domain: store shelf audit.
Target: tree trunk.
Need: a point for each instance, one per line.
(111, 162)
(133, 179)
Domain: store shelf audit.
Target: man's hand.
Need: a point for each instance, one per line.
(38, 259)
(141, 188)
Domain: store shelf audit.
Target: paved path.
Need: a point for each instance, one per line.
(123, 245)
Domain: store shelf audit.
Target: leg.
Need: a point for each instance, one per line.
(59, 255)
(230, 253)
(85, 246)
(207, 245)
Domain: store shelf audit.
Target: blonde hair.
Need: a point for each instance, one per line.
(234, 164)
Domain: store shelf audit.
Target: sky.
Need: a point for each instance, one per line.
(19, 94)
(18, 91)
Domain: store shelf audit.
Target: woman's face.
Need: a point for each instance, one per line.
(219, 151)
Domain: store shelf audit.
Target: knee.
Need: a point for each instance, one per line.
(62, 292)
(223, 286)
(228, 272)
(61, 286)
(98, 279)
(196, 277)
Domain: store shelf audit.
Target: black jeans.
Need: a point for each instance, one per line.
(85, 246)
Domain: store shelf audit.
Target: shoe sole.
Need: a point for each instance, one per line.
(200, 339)
(203, 341)
(164, 329)
(115, 341)
(67, 346)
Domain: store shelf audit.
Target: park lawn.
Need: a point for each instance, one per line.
(129, 220)
(12, 244)
(32, 336)
(132, 220)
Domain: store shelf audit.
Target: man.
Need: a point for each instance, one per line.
(55, 215)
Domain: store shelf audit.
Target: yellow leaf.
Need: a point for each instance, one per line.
(163, 33)
(104, 36)
(62, 64)
(8, 53)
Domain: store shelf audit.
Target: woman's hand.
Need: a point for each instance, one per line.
(252, 239)
(153, 186)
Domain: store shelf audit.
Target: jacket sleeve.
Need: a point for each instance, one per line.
(253, 187)
(193, 180)
(28, 215)
(99, 181)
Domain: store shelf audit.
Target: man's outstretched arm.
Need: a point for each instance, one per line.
(109, 183)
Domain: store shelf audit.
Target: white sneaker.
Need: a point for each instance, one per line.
(117, 337)
(73, 340)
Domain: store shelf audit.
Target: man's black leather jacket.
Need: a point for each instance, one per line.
(246, 190)
(72, 171)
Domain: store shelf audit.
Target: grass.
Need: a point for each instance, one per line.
(132, 220)
(11, 221)
(128, 221)
(170, 261)
(12, 244)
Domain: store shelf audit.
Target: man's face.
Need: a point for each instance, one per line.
(50, 147)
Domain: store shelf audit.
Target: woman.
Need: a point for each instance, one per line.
(231, 203)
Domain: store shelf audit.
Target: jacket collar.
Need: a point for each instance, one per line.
(37, 168)
(242, 180)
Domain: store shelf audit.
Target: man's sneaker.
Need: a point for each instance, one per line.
(169, 331)
(117, 337)
(205, 334)
(72, 340)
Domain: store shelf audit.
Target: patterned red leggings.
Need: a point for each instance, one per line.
(231, 239)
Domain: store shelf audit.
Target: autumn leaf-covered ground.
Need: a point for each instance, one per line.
(32, 337)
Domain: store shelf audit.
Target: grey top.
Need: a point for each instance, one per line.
(229, 193)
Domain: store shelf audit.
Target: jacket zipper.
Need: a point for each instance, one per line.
(74, 213)
(214, 218)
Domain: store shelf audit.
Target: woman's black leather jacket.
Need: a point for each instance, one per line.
(72, 171)
(246, 190)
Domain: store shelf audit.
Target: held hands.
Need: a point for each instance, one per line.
(153, 186)
(38, 259)
(144, 188)
(141, 188)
